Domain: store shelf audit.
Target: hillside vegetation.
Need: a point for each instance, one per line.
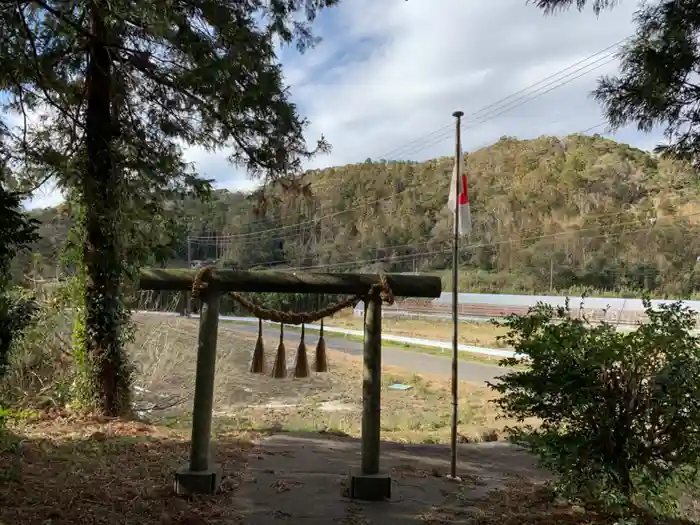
(548, 214)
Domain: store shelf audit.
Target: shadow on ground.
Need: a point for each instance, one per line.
(63, 471)
(109, 473)
(302, 478)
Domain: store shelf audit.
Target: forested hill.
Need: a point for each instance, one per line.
(547, 213)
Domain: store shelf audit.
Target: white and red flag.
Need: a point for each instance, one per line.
(462, 202)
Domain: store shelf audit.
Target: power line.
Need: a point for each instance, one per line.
(217, 242)
(416, 246)
(242, 244)
(422, 243)
(484, 245)
(522, 93)
(316, 220)
(250, 237)
(521, 102)
(588, 130)
(519, 98)
(220, 240)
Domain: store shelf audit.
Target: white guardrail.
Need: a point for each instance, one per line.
(495, 352)
(613, 304)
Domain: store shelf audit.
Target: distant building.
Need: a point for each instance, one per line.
(200, 263)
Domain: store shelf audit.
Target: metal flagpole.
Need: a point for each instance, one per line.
(455, 297)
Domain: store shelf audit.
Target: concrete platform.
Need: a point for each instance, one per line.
(370, 487)
(201, 482)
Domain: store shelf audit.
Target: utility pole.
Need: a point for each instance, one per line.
(455, 295)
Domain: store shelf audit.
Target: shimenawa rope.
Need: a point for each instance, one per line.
(294, 318)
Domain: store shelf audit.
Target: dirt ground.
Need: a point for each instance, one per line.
(164, 352)
(60, 470)
(303, 478)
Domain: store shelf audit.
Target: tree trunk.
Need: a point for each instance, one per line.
(102, 265)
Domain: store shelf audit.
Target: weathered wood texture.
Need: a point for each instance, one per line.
(289, 282)
(204, 383)
(372, 387)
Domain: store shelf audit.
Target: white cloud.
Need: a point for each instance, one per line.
(428, 59)
(45, 197)
(389, 72)
(216, 166)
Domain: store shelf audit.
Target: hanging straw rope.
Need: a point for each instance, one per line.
(294, 318)
(321, 361)
(258, 364)
(301, 368)
(279, 370)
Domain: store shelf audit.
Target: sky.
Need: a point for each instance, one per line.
(387, 76)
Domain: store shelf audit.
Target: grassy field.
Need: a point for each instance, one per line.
(331, 402)
(476, 334)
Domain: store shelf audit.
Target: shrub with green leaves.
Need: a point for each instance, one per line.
(17, 232)
(40, 367)
(619, 411)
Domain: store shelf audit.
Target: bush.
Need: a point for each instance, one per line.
(619, 412)
(17, 233)
(39, 364)
(16, 314)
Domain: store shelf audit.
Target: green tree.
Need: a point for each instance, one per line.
(656, 85)
(119, 88)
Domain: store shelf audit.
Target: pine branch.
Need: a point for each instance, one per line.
(42, 82)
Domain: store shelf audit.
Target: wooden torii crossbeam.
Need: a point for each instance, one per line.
(200, 476)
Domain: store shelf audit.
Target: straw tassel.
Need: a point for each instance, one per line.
(279, 370)
(258, 364)
(301, 368)
(321, 364)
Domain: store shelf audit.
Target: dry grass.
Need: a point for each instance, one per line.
(525, 503)
(62, 470)
(421, 414)
(66, 471)
(476, 334)
(330, 402)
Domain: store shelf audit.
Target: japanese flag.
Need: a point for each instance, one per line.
(465, 216)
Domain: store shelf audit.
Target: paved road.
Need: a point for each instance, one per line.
(413, 361)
